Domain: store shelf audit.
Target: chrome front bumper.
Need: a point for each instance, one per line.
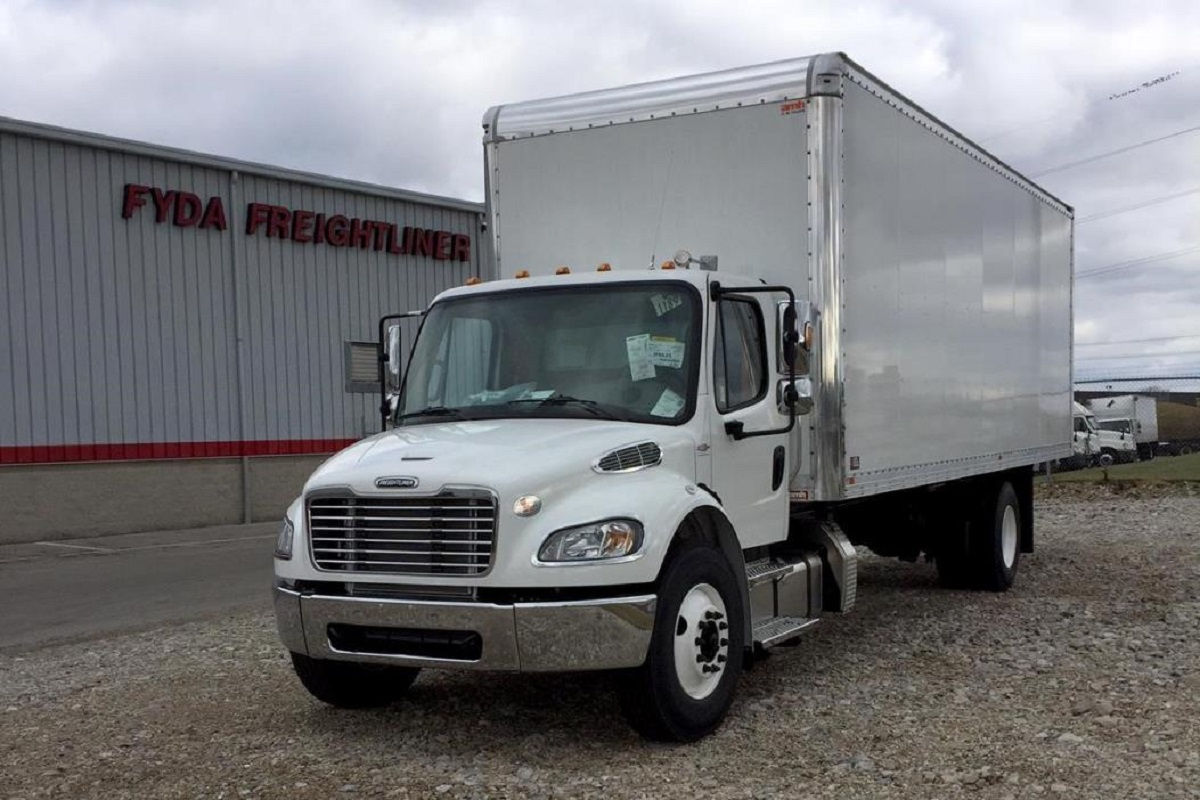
(609, 633)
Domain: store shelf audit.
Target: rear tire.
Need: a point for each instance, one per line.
(685, 687)
(997, 551)
(346, 684)
(986, 555)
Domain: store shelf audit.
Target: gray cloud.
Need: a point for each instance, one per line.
(394, 93)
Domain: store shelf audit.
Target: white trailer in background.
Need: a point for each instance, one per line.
(616, 463)
(1131, 416)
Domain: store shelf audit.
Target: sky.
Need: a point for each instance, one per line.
(394, 92)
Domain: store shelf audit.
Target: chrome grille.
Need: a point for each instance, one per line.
(628, 459)
(452, 533)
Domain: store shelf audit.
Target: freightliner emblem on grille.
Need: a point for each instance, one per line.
(403, 482)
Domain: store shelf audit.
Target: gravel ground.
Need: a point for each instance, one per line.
(1082, 681)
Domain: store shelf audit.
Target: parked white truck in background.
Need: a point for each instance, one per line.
(1134, 418)
(663, 468)
(1086, 443)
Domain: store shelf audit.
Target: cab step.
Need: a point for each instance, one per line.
(777, 630)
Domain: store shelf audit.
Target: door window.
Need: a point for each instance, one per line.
(740, 360)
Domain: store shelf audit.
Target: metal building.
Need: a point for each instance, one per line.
(182, 336)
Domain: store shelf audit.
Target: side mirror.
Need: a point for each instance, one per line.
(795, 336)
(395, 358)
(789, 336)
(794, 396)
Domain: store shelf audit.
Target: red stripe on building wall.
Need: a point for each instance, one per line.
(145, 451)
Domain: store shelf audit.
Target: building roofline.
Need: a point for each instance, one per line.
(86, 138)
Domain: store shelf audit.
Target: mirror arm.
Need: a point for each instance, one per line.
(385, 410)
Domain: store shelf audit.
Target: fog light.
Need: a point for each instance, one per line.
(283, 542)
(598, 541)
(527, 506)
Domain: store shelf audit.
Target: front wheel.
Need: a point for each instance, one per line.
(686, 685)
(348, 685)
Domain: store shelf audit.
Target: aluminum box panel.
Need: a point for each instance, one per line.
(956, 323)
(730, 183)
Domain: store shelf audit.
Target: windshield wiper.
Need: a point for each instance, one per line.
(432, 411)
(596, 409)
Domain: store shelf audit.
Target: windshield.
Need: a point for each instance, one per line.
(625, 352)
(1118, 425)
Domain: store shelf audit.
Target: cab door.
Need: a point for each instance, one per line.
(750, 432)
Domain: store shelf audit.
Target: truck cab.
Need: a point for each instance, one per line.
(1117, 440)
(1086, 442)
(551, 448)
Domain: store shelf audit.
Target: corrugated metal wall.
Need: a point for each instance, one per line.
(120, 336)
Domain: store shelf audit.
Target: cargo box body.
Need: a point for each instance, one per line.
(942, 278)
(1141, 409)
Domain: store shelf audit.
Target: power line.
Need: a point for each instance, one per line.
(1151, 202)
(1140, 378)
(1141, 355)
(1140, 341)
(1120, 265)
(1118, 151)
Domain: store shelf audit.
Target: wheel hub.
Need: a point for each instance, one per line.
(1008, 537)
(701, 641)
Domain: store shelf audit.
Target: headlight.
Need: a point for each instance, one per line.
(612, 538)
(283, 542)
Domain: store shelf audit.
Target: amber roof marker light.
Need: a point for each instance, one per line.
(563, 271)
(522, 273)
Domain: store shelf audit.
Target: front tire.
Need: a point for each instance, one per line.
(348, 685)
(685, 687)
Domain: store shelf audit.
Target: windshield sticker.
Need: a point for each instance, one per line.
(638, 350)
(665, 302)
(668, 404)
(665, 352)
(486, 396)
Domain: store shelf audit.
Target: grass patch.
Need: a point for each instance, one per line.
(1163, 468)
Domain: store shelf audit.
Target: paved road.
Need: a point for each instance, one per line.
(79, 589)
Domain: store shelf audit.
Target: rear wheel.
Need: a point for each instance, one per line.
(985, 550)
(684, 689)
(348, 685)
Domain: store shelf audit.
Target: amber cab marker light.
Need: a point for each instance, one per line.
(474, 280)
(522, 273)
(667, 265)
(563, 271)
(605, 267)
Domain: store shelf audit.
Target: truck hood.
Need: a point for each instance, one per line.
(506, 455)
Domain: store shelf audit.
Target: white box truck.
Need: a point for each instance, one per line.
(607, 462)
(1133, 418)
